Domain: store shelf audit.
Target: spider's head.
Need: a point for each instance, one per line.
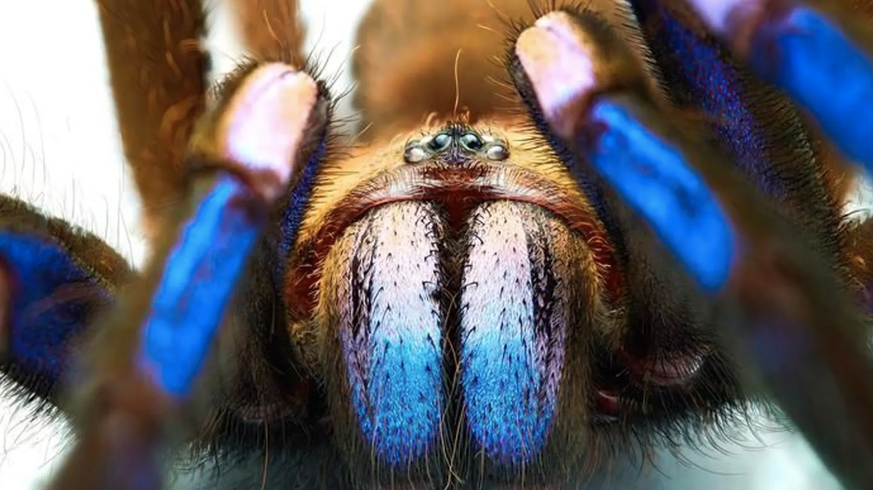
(455, 293)
(441, 279)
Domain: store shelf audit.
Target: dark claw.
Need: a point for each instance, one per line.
(807, 55)
(783, 313)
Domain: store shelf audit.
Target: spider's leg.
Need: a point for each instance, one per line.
(157, 68)
(140, 370)
(55, 280)
(819, 54)
(784, 310)
(271, 29)
(754, 124)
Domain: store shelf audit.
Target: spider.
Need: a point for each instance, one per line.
(568, 235)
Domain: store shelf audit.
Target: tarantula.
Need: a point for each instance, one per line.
(569, 235)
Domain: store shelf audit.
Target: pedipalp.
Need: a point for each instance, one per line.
(138, 374)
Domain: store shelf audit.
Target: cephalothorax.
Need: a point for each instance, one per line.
(523, 284)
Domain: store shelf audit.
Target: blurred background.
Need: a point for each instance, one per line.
(59, 150)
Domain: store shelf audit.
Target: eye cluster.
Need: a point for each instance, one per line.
(456, 140)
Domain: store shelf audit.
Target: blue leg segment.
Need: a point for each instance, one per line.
(654, 178)
(199, 278)
(55, 299)
(823, 71)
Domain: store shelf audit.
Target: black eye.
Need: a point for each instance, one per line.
(439, 142)
(471, 142)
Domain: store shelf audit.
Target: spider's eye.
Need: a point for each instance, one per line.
(440, 142)
(471, 142)
(497, 152)
(414, 153)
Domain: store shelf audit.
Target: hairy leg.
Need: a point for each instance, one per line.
(842, 172)
(751, 122)
(807, 50)
(722, 86)
(271, 30)
(138, 372)
(157, 72)
(786, 311)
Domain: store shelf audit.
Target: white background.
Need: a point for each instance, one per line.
(59, 150)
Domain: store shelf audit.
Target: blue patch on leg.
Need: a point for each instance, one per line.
(199, 278)
(53, 301)
(294, 211)
(824, 72)
(655, 180)
(696, 70)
